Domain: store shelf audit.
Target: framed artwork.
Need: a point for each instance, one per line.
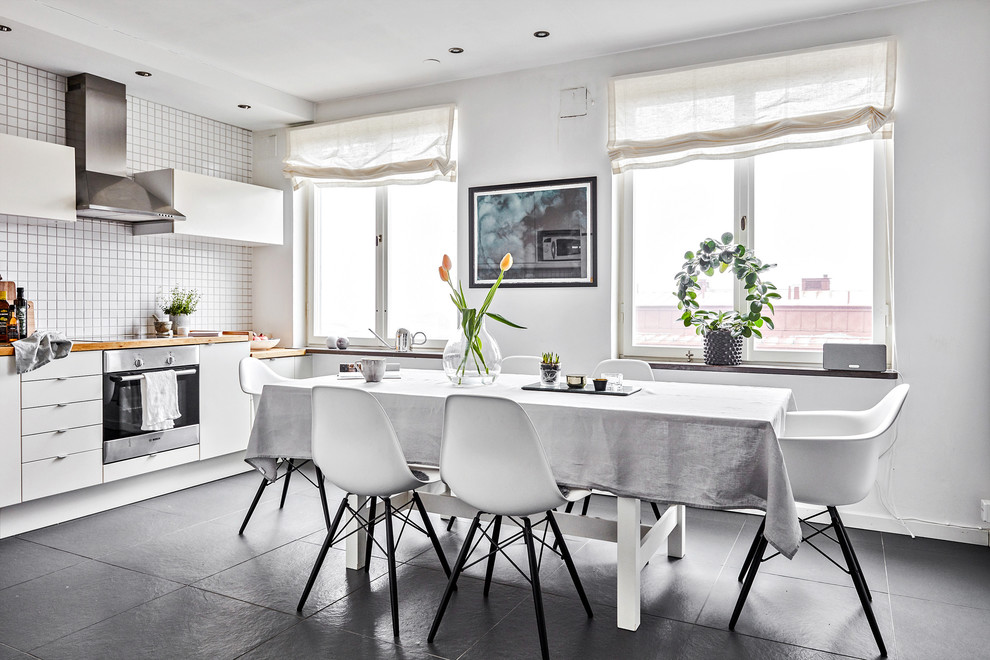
(547, 226)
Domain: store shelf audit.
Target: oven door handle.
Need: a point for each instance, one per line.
(125, 379)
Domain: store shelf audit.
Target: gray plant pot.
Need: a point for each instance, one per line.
(722, 349)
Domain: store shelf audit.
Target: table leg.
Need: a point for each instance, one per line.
(628, 548)
(356, 543)
(676, 540)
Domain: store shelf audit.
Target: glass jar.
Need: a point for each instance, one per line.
(464, 367)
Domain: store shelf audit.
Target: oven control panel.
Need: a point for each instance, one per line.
(144, 359)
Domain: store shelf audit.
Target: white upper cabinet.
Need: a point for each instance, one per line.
(38, 179)
(216, 208)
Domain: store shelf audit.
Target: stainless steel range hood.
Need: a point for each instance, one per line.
(96, 120)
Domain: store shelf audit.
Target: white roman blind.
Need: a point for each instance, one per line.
(411, 146)
(806, 98)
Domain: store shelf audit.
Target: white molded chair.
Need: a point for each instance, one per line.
(831, 458)
(355, 446)
(491, 457)
(254, 375)
(630, 369)
(528, 365)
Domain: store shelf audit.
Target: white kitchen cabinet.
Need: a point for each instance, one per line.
(10, 439)
(224, 410)
(38, 179)
(215, 208)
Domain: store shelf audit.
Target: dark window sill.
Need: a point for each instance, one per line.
(789, 370)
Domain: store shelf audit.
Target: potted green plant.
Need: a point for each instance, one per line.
(723, 331)
(179, 304)
(549, 369)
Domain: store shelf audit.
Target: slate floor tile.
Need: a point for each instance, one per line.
(315, 638)
(52, 606)
(21, 561)
(276, 579)
(8, 653)
(300, 517)
(926, 629)
(469, 615)
(103, 533)
(571, 634)
(705, 643)
(815, 615)
(187, 623)
(960, 576)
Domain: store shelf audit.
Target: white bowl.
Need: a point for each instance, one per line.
(264, 344)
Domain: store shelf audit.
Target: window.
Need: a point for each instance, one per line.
(810, 211)
(789, 153)
(374, 255)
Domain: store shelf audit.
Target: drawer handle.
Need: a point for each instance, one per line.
(62, 431)
(61, 405)
(62, 378)
(60, 456)
(153, 455)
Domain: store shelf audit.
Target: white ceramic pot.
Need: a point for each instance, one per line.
(180, 324)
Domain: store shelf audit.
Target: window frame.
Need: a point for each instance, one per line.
(381, 271)
(743, 194)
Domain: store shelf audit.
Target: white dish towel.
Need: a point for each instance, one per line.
(159, 400)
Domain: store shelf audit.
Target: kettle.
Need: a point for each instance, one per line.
(405, 340)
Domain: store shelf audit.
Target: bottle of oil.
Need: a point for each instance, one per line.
(4, 318)
(20, 313)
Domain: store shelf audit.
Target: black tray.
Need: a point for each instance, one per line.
(587, 389)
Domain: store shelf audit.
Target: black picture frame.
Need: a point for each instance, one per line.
(549, 227)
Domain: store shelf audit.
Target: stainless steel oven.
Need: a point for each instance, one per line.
(122, 409)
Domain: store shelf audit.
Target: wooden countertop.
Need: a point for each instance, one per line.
(278, 353)
(142, 343)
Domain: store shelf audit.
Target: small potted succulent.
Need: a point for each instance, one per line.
(549, 369)
(724, 331)
(179, 304)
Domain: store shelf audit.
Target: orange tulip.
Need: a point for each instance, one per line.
(444, 275)
(447, 263)
(506, 261)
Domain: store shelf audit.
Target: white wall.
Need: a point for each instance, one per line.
(509, 132)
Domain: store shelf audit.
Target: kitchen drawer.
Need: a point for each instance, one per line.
(61, 390)
(50, 476)
(61, 443)
(135, 466)
(61, 416)
(82, 363)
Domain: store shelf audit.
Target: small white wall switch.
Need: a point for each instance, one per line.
(985, 510)
(573, 102)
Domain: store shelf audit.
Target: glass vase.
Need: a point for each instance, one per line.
(464, 367)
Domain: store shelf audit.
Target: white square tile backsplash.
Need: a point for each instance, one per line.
(92, 279)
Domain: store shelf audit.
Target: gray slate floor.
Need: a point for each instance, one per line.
(170, 578)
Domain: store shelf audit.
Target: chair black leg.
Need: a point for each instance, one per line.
(492, 552)
(569, 507)
(656, 510)
(285, 486)
(565, 553)
(750, 576)
(534, 571)
(428, 526)
(323, 554)
(393, 592)
(254, 503)
(371, 533)
(584, 507)
(452, 582)
(840, 528)
(450, 523)
(752, 549)
(857, 582)
(323, 496)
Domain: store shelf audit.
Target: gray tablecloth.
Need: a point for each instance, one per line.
(707, 446)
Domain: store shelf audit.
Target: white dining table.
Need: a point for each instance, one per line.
(707, 446)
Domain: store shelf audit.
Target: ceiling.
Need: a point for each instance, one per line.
(282, 56)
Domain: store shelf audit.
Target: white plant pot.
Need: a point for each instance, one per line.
(180, 324)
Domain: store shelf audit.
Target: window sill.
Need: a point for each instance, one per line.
(378, 352)
(779, 370)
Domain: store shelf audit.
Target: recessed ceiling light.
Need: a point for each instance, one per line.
(431, 60)
(243, 106)
(455, 50)
(4, 28)
(143, 74)
(541, 34)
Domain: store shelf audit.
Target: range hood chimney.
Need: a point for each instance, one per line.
(96, 119)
